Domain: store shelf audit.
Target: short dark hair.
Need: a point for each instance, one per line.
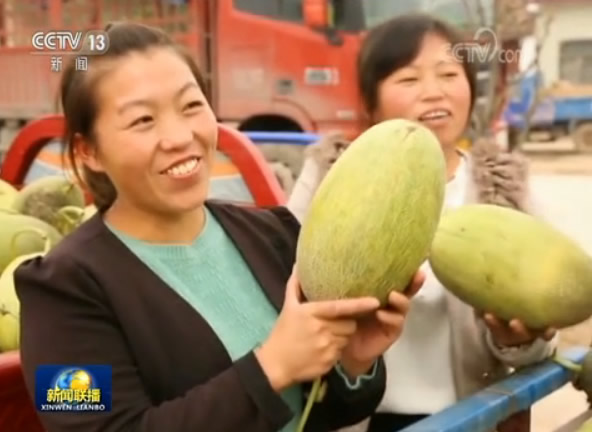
(394, 44)
(79, 100)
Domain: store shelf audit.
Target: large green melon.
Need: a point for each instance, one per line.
(513, 265)
(372, 220)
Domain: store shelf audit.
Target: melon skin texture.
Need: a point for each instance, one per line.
(372, 219)
(9, 302)
(44, 198)
(508, 263)
(21, 234)
(586, 427)
(7, 195)
(89, 212)
(10, 306)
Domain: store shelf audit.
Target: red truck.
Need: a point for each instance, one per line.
(271, 65)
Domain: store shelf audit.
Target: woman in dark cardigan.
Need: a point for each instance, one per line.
(193, 303)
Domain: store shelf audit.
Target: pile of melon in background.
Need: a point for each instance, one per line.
(32, 221)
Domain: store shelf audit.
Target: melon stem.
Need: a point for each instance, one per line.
(317, 393)
(72, 213)
(568, 364)
(72, 216)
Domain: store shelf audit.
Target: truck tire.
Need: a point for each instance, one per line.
(582, 137)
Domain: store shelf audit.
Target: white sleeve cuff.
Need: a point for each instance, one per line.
(523, 355)
(304, 189)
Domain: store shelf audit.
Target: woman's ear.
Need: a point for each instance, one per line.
(87, 154)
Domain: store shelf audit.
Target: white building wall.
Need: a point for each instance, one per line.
(571, 20)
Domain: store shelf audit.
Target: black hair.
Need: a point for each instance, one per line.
(394, 44)
(79, 100)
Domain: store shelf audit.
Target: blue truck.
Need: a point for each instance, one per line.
(564, 110)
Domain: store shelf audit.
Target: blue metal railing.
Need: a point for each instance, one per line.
(483, 411)
(291, 138)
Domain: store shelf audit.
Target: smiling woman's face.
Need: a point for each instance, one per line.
(156, 134)
(433, 89)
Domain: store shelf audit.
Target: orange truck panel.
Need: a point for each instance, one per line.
(261, 58)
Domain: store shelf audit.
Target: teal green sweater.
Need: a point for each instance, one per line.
(211, 275)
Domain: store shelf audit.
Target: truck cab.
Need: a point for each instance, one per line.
(287, 65)
(290, 65)
(270, 65)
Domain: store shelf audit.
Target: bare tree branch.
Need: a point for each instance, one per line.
(510, 21)
(538, 93)
(480, 20)
(468, 11)
(481, 13)
(481, 118)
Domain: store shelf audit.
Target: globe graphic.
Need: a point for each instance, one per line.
(74, 379)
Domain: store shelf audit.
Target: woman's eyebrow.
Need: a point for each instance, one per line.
(145, 102)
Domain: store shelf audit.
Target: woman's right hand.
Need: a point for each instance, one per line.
(308, 337)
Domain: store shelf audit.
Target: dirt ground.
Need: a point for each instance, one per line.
(561, 164)
(564, 181)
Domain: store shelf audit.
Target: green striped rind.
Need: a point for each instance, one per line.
(372, 219)
(513, 265)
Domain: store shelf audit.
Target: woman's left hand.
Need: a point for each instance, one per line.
(514, 332)
(376, 333)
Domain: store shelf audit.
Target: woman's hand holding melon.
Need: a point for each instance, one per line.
(514, 333)
(308, 337)
(377, 332)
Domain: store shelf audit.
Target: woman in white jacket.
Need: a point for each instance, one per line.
(447, 350)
